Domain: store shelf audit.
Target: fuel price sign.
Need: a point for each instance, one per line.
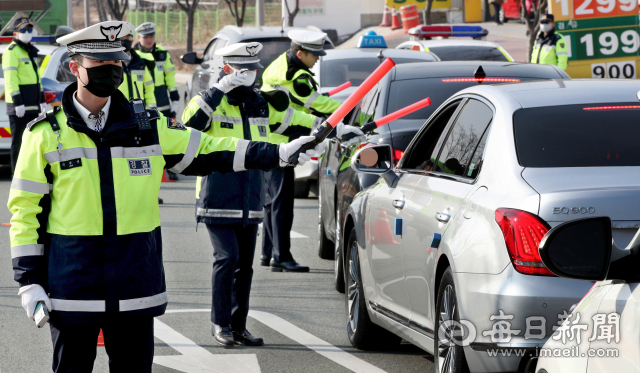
(602, 36)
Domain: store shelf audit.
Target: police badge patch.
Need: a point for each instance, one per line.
(175, 125)
(561, 45)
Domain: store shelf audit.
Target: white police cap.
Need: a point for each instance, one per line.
(132, 28)
(98, 42)
(147, 28)
(311, 41)
(242, 55)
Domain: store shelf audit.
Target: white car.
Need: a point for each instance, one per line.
(459, 49)
(602, 334)
(55, 75)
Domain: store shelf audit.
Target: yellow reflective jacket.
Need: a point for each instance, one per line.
(163, 74)
(21, 77)
(136, 72)
(239, 198)
(287, 73)
(550, 50)
(86, 223)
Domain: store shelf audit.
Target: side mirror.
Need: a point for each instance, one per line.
(376, 159)
(579, 249)
(191, 58)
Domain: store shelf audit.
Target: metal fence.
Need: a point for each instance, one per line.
(172, 25)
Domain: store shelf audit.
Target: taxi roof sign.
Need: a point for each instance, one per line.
(371, 40)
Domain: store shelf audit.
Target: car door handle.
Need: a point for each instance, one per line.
(444, 218)
(398, 203)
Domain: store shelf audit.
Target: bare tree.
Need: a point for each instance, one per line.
(533, 24)
(237, 9)
(117, 8)
(428, 12)
(102, 12)
(189, 6)
(291, 15)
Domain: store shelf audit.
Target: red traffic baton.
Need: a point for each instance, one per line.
(323, 130)
(389, 118)
(339, 89)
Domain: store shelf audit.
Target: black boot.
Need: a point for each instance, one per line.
(245, 338)
(222, 335)
(264, 260)
(290, 266)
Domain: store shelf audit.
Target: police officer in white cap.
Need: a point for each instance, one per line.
(231, 205)
(85, 232)
(291, 73)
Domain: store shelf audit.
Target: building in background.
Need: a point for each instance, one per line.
(48, 14)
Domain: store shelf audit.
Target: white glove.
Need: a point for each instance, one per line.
(175, 106)
(342, 129)
(287, 150)
(43, 107)
(20, 111)
(231, 81)
(31, 295)
(320, 147)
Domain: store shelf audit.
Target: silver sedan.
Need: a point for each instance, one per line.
(442, 250)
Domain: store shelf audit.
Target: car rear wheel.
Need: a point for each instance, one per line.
(503, 18)
(448, 354)
(325, 246)
(363, 334)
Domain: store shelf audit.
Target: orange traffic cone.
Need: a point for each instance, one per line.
(100, 339)
(386, 17)
(165, 179)
(395, 20)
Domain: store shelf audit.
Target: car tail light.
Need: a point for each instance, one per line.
(397, 154)
(627, 107)
(523, 232)
(49, 96)
(314, 158)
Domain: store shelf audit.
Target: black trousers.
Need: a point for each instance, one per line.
(496, 16)
(128, 341)
(278, 218)
(234, 246)
(18, 125)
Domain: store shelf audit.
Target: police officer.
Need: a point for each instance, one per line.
(550, 47)
(291, 73)
(23, 90)
(85, 232)
(137, 77)
(231, 205)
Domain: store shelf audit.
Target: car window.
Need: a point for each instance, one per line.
(365, 111)
(594, 135)
(463, 139)
(64, 74)
(355, 70)
(213, 46)
(468, 53)
(423, 151)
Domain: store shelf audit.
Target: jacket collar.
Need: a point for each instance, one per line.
(119, 123)
(28, 47)
(294, 64)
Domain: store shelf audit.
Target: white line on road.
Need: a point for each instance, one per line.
(302, 337)
(195, 359)
(295, 234)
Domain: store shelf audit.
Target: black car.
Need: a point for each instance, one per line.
(274, 42)
(402, 86)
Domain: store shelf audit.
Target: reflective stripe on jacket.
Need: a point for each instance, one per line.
(239, 197)
(136, 72)
(163, 73)
(287, 75)
(550, 50)
(21, 77)
(86, 223)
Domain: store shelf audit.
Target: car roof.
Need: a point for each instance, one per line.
(338, 54)
(236, 33)
(418, 70)
(452, 43)
(560, 92)
(43, 49)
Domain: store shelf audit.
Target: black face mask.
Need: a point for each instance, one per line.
(104, 80)
(126, 44)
